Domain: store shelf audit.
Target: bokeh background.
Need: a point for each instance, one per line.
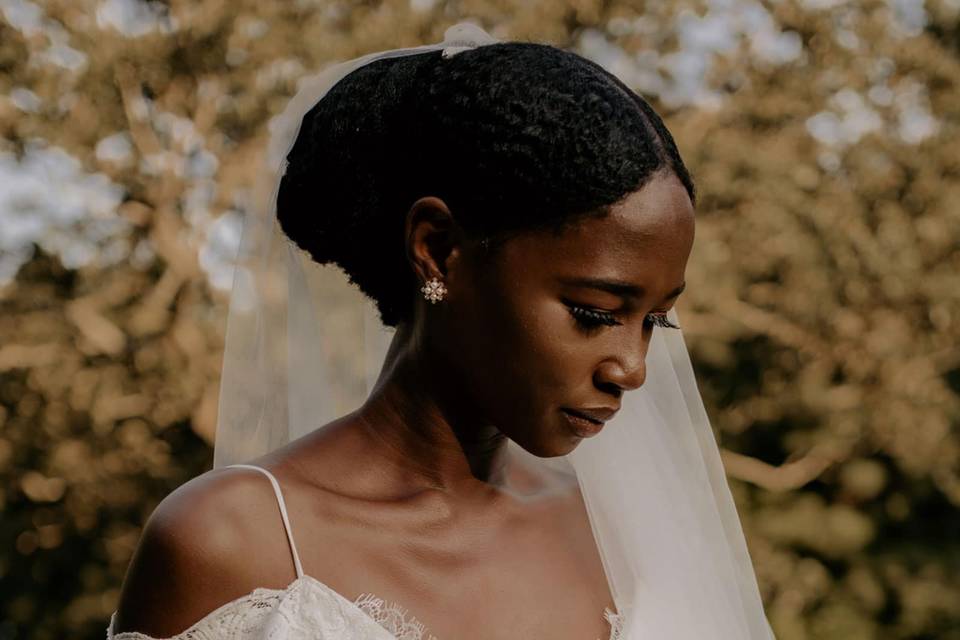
(822, 308)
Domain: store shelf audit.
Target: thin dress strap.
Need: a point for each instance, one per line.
(283, 513)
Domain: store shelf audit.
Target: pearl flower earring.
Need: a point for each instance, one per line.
(433, 290)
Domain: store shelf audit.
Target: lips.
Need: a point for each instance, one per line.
(598, 415)
(587, 422)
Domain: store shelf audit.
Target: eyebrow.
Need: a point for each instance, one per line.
(618, 287)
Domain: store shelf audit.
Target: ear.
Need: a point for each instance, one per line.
(433, 239)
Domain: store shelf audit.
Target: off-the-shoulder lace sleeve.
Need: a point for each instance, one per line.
(305, 610)
(309, 610)
(240, 618)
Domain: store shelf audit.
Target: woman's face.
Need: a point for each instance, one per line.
(554, 324)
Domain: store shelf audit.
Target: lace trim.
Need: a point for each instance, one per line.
(393, 618)
(396, 620)
(615, 620)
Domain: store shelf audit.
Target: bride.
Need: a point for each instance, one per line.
(531, 459)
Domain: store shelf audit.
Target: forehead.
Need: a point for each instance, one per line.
(648, 232)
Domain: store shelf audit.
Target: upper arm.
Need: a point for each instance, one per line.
(185, 564)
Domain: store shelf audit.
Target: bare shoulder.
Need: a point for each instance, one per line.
(196, 552)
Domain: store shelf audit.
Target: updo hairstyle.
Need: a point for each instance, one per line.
(511, 136)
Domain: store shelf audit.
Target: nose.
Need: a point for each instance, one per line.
(625, 370)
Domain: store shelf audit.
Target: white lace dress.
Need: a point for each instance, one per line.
(307, 609)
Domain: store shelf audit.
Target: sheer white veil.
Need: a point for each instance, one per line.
(304, 347)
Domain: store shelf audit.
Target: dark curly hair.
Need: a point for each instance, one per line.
(511, 136)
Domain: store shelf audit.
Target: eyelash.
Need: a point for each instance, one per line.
(591, 319)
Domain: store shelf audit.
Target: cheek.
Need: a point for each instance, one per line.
(550, 343)
(533, 361)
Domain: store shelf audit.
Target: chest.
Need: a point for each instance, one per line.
(468, 576)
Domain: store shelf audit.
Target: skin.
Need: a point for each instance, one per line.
(408, 497)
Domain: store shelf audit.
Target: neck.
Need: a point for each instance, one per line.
(419, 419)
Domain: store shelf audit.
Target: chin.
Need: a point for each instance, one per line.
(551, 447)
(564, 447)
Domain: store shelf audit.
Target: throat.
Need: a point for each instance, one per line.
(427, 430)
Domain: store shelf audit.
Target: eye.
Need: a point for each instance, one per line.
(659, 320)
(592, 318)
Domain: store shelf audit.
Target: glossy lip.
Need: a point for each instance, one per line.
(587, 422)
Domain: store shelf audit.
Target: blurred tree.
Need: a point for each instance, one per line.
(822, 303)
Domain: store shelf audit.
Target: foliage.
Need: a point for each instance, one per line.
(822, 303)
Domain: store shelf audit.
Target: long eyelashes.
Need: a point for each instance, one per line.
(660, 320)
(591, 318)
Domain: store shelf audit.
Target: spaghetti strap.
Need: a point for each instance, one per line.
(283, 513)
